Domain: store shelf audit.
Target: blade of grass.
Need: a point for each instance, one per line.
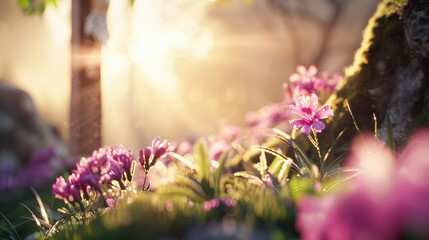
(36, 220)
(302, 158)
(390, 137)
(194, 185)
(274, 166)
(353, 117)
(11, 225)
(182, 159)
(252, 179)
(333, 146)
(42, 207)
(280, 155)
(54, 227)
(336, 160)
(375, 127)
(8, 231)
(263, 164)
(218, 173)
(203, 161)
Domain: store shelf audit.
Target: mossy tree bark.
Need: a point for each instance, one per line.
(390, 75)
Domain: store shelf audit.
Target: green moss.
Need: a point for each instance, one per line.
(383, 43)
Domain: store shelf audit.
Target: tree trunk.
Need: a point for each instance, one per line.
(85, 123)
(390, 75)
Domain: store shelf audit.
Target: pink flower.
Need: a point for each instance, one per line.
(123, 157)
(364, 209)
(65, 191)
(150, 155)
(303, 75)
(309, 113)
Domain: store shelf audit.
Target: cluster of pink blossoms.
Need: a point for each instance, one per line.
(103, 167)
(306, 82)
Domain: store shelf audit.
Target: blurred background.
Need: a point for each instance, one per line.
(177, 68)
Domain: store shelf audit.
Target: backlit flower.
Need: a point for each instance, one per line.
(150, 155)
(310, 115)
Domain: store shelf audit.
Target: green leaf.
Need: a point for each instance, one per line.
(299, 187)
(275, 166)
(218, 173)
(203, 161)
(11, 225)
(251, 178)
(36, 220)
(263, 164)
(390, 137)
(194, 185)
(177, 191)
(281, 156)
(302, 158)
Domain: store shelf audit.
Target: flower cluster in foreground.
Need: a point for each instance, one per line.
(103, 168)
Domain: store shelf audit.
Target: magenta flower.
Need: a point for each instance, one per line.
(150, 155)
(113, 172)
(65, 191)
(303, 75)
(123, 157)
(310, 115)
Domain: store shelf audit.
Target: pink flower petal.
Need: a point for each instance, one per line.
(318, 125)
(297, 123)
(314, 102)
(294, 77)
(300, 100)
(312, 71)
(296, 110)
(306, 129)
(323, 112)
(301, 69)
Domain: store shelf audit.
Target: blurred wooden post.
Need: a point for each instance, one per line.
(85, 115)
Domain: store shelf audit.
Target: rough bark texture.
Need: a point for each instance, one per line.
(389, 75)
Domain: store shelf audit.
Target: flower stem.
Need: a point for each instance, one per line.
(144, 182)
(316, 144)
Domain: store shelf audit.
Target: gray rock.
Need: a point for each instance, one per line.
(22, 130)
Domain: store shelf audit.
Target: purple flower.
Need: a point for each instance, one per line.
(309, 114)
(306, 82)
(65, 190)
(159, 148)
(113, 171)
(123, 157)
(150, 155)
(86, 180)
(303, 74)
